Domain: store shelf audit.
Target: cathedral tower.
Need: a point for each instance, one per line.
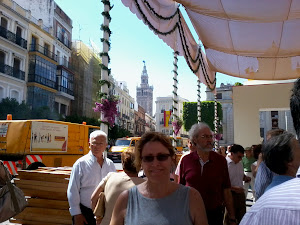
(144, 93)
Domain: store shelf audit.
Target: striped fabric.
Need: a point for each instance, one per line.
(278, 206)
(262, 180)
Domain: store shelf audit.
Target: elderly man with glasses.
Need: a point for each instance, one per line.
(207, 171)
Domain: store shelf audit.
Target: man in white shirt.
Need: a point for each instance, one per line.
(86, 174)
(237, 176)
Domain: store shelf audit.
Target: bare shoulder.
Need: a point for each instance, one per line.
(197, 208)
(120, 209)
(194, 194)
(123, 198)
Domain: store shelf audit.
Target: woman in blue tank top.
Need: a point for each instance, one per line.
(158, 201)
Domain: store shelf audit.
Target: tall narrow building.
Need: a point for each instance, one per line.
(144, 93)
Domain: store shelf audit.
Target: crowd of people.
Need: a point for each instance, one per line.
(208, 187)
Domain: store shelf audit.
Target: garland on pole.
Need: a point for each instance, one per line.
(199, 101)
(108, 103)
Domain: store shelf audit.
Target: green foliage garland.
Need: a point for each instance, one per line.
(207, 113)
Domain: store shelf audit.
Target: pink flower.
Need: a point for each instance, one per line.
(177, 124)
(109, 109)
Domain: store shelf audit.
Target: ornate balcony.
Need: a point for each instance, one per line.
(8, 70)
(13, 37)
(43, 50)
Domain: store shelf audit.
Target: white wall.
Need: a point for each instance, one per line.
(248, 100)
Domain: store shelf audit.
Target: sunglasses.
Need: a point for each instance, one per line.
(160, 157)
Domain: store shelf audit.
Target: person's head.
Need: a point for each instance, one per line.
(154, 153)
(228, 148)
(222, 150)
(256, 150)
(281, 154)
(248, 152)
(98, 142)
(236, 153)
(201, 137)
(274, 132)
(295, 106)
(128, 157)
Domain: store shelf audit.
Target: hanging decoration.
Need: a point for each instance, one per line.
(194, 63)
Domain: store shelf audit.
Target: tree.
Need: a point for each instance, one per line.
(12, 106)
(117, 132)
(207, 113)
(79, 119)
(238, 84)
(44, 112)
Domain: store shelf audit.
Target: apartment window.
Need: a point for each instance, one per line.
(1, 93)
(19, 31)
(56, 106)
(4, 22)
(46, 49)
(14, 94)
(18, 35)
(63, 108)
(17, 64)
(274, 116)
(34, 42)
(2, 58)
(219, 95)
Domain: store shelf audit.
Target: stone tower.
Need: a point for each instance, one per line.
(144, 93)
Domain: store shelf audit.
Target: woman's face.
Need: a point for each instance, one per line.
(156, 161)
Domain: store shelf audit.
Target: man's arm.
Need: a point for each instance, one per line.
(73, 190)
(229, 203)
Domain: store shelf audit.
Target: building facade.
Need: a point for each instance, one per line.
(165, 104)
(50, 78)
(13, 51)
(150, 123)
(125, 107)
(86, 80)
(139, 121)
(144, 93)
(224, 96)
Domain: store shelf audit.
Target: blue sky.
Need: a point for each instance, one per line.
(132, 43)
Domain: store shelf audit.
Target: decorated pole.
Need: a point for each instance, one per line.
(105, 57)
(199, 101)
(176, 121)
(216, 123)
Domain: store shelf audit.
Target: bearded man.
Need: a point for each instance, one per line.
(207, 171)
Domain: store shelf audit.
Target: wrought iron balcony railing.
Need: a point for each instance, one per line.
(8, 70)
(41, 80)
(43, 50)
(13, 37)
(65, 90)
(60, 36)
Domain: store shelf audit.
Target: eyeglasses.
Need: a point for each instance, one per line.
(207, 136)
(160, 157)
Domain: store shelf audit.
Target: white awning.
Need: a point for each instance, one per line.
(257, 39)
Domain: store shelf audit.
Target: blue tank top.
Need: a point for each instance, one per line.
(173, 209)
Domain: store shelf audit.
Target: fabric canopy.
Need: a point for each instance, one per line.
(257, 39)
